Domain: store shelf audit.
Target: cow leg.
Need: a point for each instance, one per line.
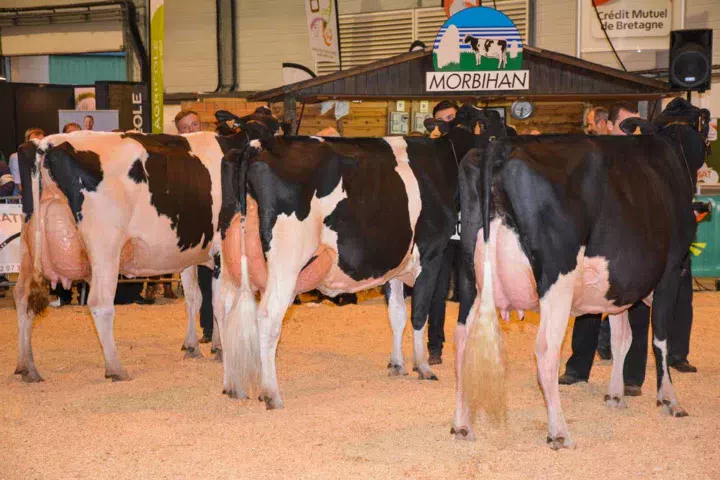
(663, 306)
(101, 303)
(26, 363)
(462, 423)
(421, 298)
(554, 313)
(193, 298)
(398, 320)
(215, 345)
(620, 339)
(277, 298)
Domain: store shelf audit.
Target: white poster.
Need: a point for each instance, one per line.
(10, 223)
(323, 28)
(96, 120)
(630, 24)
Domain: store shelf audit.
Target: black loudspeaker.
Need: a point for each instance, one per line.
(690, 65)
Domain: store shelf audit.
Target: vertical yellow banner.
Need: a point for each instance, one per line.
(157, 42)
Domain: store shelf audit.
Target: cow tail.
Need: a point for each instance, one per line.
(483, 365)
(241, 345)
(38, 300)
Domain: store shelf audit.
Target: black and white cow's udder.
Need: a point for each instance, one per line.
(180, 187)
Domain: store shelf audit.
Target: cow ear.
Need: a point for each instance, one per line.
(630, 125)
(223, 116)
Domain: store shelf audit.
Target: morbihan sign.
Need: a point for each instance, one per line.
(467, 81)
(477, 49)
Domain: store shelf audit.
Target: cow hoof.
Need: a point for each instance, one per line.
(559, 442)
(193, 352)
(219, 355)
(214, 350)
(396, 370)
(234, 393)
(615, 401)
(426, 375)
(672, 410)
(183, 348)
(118, 377)
(272, 404)
(20, 371)
(463, 433)
(31, 377)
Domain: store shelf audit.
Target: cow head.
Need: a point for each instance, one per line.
(480, 121)
(260, 125)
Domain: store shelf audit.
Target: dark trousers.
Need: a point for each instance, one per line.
(585, 341)
(436, 316)
(127, 293)
(681, 323)
(65, 295)
(204, 275)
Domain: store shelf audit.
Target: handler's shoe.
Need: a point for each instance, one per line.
(567, 379)
(684, 367)
(633, 390)
(435, 359)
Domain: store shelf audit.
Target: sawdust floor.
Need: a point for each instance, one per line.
(343, 417)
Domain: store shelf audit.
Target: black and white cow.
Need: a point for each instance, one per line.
(568, 225)
(99, 204)
(486, 47)
(340, 215)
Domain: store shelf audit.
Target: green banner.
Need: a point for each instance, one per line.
(157, 42)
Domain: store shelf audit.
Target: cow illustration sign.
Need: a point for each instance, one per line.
(478, 49)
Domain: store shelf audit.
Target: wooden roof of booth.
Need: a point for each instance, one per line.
(553, 77)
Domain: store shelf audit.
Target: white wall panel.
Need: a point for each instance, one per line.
(190, 46)
(35, 69)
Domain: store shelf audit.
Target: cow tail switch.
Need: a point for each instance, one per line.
(241, 341)
(38, 299)
(483, 369)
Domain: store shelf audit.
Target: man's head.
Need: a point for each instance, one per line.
(619, 112)
(89, 122)
(328, 132)
(34, 133)
(187, 121)
(71, 127)
(444, 111)
(597, 121)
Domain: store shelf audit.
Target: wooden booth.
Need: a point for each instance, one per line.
(385, 94)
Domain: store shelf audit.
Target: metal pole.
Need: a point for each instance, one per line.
(302, 110)
(337, 22)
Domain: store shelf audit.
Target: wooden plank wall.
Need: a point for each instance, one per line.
(370, 118)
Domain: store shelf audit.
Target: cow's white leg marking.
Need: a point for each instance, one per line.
(105, 266)
(554, 312)
(666, 396)
(620, 338)
(398, 319)
(421, 365)
(293, 243)
(193, 299)
(462, 423)
(26, 363)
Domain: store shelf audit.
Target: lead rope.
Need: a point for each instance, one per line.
(452, 145)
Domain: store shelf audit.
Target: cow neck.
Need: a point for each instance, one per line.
(682, 151)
